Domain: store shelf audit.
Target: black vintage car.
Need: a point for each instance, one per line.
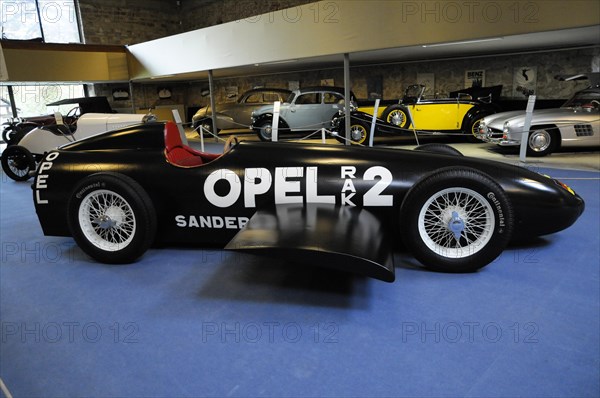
(338, 206)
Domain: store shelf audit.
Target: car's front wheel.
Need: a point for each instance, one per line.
(456, 220)
(111, 218)
(542, 141)
(264, 130)
(359, 133)
(17, 162)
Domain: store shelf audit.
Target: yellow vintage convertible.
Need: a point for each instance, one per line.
(460, 115)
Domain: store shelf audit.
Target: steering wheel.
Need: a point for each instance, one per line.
(595, 104)
(230, 143)
(71, 117)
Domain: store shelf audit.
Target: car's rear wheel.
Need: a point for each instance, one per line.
(456, 220)
(111, 218)
(542, 140)
(397, 115)
(17, 162)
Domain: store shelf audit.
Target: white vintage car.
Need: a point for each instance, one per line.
(575, 124)
(19, 160)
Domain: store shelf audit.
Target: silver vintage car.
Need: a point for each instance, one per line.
(236, 115)
(575, 124)
(307, 109)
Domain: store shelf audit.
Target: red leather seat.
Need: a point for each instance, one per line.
(179, 154)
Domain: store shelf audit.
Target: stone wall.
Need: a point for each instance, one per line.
(128, 21)
(136, 21)
(201, 14)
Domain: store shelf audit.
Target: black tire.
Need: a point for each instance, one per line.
(115, 232)
(464, 199)
(264, 130)
(17, 162)
(397, 115)
(359, 133)
(439, 148)
(542, 141)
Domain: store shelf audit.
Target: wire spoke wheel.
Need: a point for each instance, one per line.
(456, 222)
(17, 162)
(107, 220)
(457, 219)
(111, 217)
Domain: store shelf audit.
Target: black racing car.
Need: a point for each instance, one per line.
(338, 206)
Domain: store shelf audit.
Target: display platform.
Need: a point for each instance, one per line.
(204, 322)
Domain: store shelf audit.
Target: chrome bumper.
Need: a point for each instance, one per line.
(499, 141)
(496, 138)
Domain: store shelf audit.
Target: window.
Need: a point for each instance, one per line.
(254, 98)
(310, 98)
(31, 100)
(51, 21)
(334, 98)
(272, 97)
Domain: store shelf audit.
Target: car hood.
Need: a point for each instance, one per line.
(517, 118)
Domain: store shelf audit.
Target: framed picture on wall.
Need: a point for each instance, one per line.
(524, 81)
(475, 78)
(164, 92)
(231, 93)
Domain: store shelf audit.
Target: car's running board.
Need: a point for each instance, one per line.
(344, 238)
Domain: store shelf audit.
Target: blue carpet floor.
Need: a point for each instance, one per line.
(189, 322)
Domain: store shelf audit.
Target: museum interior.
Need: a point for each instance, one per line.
(299, 198)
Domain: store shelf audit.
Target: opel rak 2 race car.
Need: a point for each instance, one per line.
(337, 206)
